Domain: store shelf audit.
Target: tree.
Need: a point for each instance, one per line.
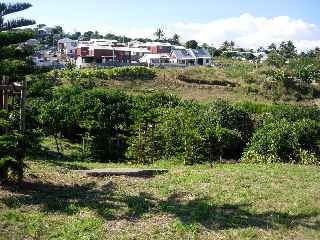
(14, 65)
(75, 36)
(227, 46)
(8, 8)
(175, 40)
(287, 50)
(97, 35)
(261, 50)
(159, 34)
(272, 48)
(275, 59)
(232, 44)
(192, 44)
(57, 30)
(88, 35)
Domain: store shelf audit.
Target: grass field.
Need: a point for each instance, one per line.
(231, 201)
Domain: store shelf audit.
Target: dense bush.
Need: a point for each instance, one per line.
(109, 125)
(285, 141)
(77, 114)
(193, 132)
(116, 73)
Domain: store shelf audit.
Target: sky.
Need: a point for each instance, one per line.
(250, 23)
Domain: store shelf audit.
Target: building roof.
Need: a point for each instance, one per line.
(102, 40)
(154, 56)
(101, 47)
(66, 40)
(200, 53)
(154, 44)
(183, 54)
(178, 47)
(139, 50)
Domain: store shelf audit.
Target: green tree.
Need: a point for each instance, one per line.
(13, 64)
(97, 35)
(272, 48)
(88, 35)
(75, 36)
(275, 59)
(57, 30)
(192, 44)
(288, 50)
(175, 40)
(227, 46)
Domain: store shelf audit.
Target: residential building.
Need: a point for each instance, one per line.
(155, 59)
(182, 56)
(159, 47)
(202, 56)
(137, 53)
(89, 55)
(67, 47)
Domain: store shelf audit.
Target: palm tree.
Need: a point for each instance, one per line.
(159, 34)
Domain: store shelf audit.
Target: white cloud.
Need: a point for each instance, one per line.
(251, 32)
(247, 31)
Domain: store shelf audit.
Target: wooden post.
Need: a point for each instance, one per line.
(22, 124)
(20, 154)
(1, 93)
(5, 104)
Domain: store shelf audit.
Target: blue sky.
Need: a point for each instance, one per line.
(141, 17)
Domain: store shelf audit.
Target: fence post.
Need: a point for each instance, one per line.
(22, 124)
(1, 93)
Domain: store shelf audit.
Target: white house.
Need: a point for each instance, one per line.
(182, 56)
(155, 59)
(103, 42)
(201, 56)
(67, 46)
(32, 42)
(137, 53)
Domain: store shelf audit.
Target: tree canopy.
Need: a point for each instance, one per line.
(193, 44)
(13, 64)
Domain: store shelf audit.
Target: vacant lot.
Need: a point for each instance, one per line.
(237, 201)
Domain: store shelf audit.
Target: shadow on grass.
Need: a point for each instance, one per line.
(111, 205)
(59, 160)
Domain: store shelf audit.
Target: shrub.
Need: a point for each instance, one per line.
(293, 113)
(284, 141)
(117, 73)
(193, 132)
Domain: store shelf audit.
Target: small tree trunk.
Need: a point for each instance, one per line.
(57, 143)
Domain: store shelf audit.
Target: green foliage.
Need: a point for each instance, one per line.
(287, 50)
(117, 73)
(41, 86)
(284, 141)
(275, 59)
(192, 132)
(9, 38)
(192, 44)
(77, 114)
(293, 113)
(7, 165)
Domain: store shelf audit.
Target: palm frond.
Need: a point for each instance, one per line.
(16, 23)
(6, 9)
